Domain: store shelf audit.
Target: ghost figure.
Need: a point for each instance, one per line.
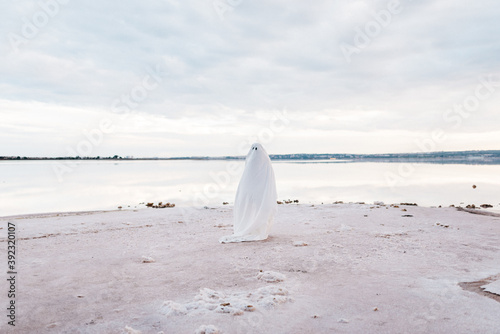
(255, 202)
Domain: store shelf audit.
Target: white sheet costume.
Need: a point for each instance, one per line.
(255, 202)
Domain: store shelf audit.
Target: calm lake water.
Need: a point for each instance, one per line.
(35, 187)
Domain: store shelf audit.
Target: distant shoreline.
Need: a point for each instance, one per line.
(38, 215)
(483, 157)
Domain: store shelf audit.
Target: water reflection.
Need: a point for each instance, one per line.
(33, 186)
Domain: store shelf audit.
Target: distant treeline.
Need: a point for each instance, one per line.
(469, 157)
(491, 155)
(116, 157)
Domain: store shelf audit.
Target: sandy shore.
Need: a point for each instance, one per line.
(346, 268)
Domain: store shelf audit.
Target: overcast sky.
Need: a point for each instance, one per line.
(176, 78)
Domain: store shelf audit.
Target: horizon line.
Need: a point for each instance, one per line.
(130, 157)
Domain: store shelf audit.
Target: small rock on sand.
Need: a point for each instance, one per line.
(227, 308)
(147, 259)
(299, 243)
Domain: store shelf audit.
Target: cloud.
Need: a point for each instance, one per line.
(220, 71)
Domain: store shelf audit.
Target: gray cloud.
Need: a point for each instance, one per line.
(258, 57)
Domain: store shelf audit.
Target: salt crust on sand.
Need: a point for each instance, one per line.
(492, 287)
(130, 330)
(207, 329)
(83, 272)
(234, 303)
(271, 277)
